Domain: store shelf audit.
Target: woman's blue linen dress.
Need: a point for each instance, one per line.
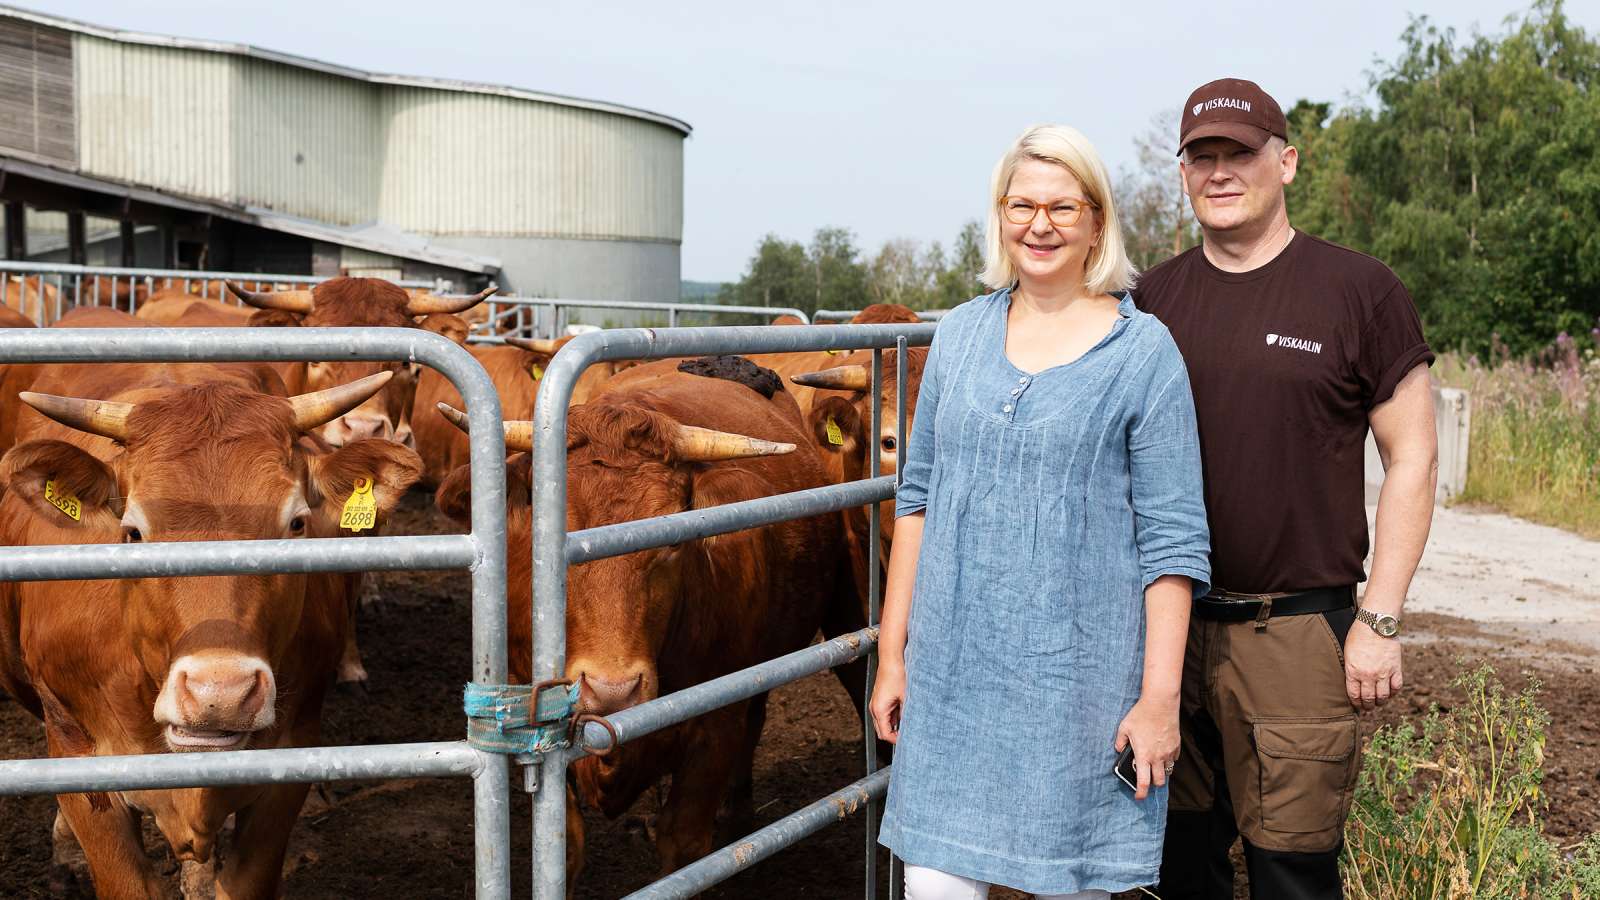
(1052, 501)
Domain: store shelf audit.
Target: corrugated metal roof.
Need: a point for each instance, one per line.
(376, 237)
(289, 59)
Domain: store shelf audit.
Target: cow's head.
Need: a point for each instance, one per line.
(353, 302)
(206, 462)
(858, 380)
(624, 462)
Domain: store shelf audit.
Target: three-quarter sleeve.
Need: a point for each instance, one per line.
(916, 467)
(1168, 490)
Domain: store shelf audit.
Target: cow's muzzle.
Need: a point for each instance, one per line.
(216, 701)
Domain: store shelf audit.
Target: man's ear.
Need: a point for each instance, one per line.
(62, 484)
(392, 468)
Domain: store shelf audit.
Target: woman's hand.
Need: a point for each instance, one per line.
(888, 698)
(1152, 727)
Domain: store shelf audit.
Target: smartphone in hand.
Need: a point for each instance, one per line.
(1124, 768)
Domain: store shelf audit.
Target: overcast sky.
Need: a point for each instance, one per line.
(885, 118)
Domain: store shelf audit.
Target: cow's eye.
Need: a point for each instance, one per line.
(297, 526)
(131, 535)
(889, 444)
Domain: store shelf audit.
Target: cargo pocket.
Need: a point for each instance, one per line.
(1306, 768)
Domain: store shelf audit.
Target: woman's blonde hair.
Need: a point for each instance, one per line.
(1107, 267)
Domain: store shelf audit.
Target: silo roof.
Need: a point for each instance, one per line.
(315, 65)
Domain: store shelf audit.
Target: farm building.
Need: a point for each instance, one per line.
(126, 149)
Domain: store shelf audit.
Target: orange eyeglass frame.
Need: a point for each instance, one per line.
(1005, 210)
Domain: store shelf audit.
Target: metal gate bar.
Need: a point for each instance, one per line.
(723, 864)
(845, 315)
(487, 563)
(550, 539)
(499, 306)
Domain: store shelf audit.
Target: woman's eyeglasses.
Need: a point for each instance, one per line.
(1063, 213)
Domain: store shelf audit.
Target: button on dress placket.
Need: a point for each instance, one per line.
(1010, 407)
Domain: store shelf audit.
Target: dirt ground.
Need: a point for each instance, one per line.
(413, 839)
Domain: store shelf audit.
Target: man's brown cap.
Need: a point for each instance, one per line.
(1231, 108)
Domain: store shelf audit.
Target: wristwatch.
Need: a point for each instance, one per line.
(1382, 623)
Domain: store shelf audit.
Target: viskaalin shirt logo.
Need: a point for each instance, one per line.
(1293, 343)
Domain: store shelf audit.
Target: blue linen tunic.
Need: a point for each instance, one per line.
(1052, 500)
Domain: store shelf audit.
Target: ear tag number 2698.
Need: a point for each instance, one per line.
(360, 511)
(67, 503)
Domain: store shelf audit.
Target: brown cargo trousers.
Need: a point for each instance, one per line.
(1269, 753)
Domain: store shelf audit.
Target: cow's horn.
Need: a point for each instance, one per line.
(428, 304)
(547, 346)
(693, 444)
(321, 407)
(842, 378)
(519, 435)
(106, 418)
(288, 301)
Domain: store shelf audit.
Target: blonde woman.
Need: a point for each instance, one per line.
(1050, 538)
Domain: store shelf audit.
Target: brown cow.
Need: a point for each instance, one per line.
(33, 296)
(516, 373)
(657, 621)
(790, 364)
(159, 665)
(172, 307)
(20, 376)
(10, 318)
(351, 302)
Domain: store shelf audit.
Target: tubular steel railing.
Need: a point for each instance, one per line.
(482, 551)
(845, 315)
(521, 315)
(98, 285)
(554, 549)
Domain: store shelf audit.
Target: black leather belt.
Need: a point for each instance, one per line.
(1225, 606)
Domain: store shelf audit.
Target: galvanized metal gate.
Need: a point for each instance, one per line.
(483, 553)
(554, 549)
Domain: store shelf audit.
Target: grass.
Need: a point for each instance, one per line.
(1534, 451)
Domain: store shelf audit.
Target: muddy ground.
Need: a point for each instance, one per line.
(413, 839)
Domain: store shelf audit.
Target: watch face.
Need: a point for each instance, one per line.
(1388, 626)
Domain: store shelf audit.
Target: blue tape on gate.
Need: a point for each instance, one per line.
(506, 718)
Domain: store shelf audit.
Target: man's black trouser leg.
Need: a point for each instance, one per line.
(1194, 859)
(1278, 875)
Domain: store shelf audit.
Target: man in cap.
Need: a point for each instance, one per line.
(1295, 347)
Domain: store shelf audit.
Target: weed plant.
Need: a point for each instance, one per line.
(1453, 809)
(1534, 449)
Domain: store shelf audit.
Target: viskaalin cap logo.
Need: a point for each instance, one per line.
(1231, 108)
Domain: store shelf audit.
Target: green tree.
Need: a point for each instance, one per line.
(1476, 177)
(780, 274)
(841, 279)
(1156, 221)
(958, 281)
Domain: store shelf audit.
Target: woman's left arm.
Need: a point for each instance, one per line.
(1174, 549)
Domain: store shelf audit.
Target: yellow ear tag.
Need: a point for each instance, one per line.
(833, 352)
(835, 436)
(360, 511)
(68, 504)
(538, 373)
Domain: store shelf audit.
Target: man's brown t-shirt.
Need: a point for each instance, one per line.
(1286, 361)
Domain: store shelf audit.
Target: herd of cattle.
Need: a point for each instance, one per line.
(231, 451)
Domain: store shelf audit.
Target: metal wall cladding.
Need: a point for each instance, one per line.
(36, 113)
(306, 143)
(461, 163)
(155, 116)
(346, 151)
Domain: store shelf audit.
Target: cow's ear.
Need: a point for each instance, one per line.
(274, 318)
(62, 484)
(835, 424)
(446, 325)
(454, 496)
(391, 467)
(535, 364)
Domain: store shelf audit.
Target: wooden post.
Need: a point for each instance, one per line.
(77, 239)
(169, 248)
(16, 231)
(129, 258)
